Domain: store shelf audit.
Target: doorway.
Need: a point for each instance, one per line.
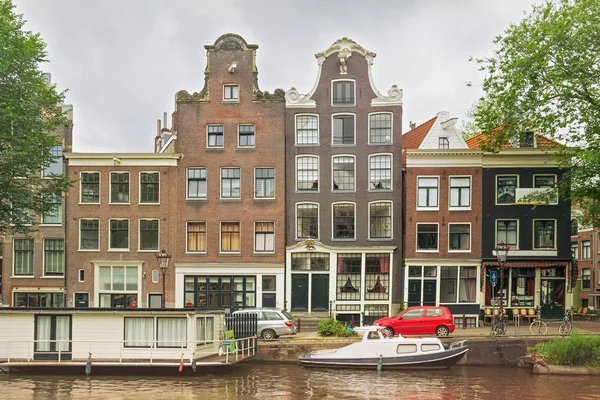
(299, 292)
(552, 298)
(320, 292)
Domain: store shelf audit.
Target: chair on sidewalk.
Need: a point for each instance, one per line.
(487, 315)
(516, 316)
(528, 313)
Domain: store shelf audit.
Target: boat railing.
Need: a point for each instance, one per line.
(456, 345)
(125, 351)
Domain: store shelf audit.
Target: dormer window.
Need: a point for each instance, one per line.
(231, 92)
(443, 143)
(527, 140)
(343, 93)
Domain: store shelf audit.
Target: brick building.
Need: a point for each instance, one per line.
(442, 218)
(585, 250)
(344, 190)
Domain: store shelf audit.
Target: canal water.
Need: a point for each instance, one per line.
(289, 381)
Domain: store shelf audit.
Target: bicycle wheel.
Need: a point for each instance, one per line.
(499, 329)
(538, 328)
(543, 328)
(564, 328)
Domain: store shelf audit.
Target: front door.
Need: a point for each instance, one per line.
(320, 293)
(414, 292)
(299, 292)
(552, 298)
(53, 337)
(429, 293)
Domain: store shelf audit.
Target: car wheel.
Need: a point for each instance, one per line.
(442, 331)
(268, 334)
(389, 332)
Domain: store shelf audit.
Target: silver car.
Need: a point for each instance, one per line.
(272, 322)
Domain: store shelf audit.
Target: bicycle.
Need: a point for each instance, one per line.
(538, 327)
(498, 325)
(567, 323)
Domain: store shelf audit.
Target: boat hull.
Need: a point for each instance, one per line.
(440, 360)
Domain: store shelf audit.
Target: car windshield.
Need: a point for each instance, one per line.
(287, 315)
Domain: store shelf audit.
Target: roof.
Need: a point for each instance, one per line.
(413, 138)
(540, 140)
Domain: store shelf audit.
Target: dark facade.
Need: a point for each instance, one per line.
(344, 190)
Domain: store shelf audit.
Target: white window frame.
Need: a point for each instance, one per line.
(354, 87)
(440, 142)
(43, 216)
(496, 188)
(187, 184)
(296, 129)
(417, 237)
(296, 219)
(99, 230)
(533, 234)
(429, 208)
(187, 250)
(128, 235)
(221, 184)
(576, 248)
(208, 146)
(343, 114)
(459, 207)
(274, 238)
(81, 270)
(99, 186)
(369, 142)
(333, 189)
(555, 185)
(274, 182)
(155, 275)
(333, 238)
(318, 173)
(238, 137)
(61, 162)
(44, 258)
(496, 231)
(470, 237)
(13, 275)
(110, 187)
(140, 187)
(589, 250)
(391, 203)
(140, 235)
(221, 237)
(231, 99)
(391, 155)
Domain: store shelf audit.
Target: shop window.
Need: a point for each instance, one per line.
(377, 276)
(348, 276)
(522, 284)
(310, 262)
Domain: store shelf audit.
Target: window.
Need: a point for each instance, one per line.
(506, 189)
(56, 165)
(117, 285)
(348, 276)
(547, 182)
(246, 135)
(443, 143)
(264, 237)
(574, 250)
(54, 257)
(343, 221)
(215, 135)
(54, 214)
(171, 332)
(307, 221)
(310, 262)
(196, 184)
(427, 192)
(81, 275)
(448, 279)
(139, 332)
(119, 234)
(119, 187)
(230, 183)
(231, 92)
(377, 276)
(196, 237)
(89, 234)
(20, 214)
(460, 191)
(380, 172)
(230, 237)
(23, 257)
(380, 128)
(342, 129)
(574, 227)
(380, 220)
(90, 187)
(459, 237)
(458, 284)
(543, 235)
(219, 291)
(343, 93)
(149, 234)
(506, 232)
(264, 183)
(586, 278)
(81, 300)
(40, 300)
(149, 187)
(307, 130)
(343, 173)
(585, 250)
(307, 173)
(269, 283)
(155, 278)
(427, 237)
(522, 285)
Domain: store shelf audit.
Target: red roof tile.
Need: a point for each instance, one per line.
(540, 141)
(413, 139)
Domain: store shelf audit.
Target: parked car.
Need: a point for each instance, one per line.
(419, 320)
(272, 322)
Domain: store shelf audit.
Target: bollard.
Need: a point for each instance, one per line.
(464, 322)
(298, 331)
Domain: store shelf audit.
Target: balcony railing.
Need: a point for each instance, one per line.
(528, 196)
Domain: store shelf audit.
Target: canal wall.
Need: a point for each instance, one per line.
(482, 351)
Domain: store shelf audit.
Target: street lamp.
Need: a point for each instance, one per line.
(163, 259)
(501, 253)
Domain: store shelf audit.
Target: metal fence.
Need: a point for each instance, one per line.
(244, 325)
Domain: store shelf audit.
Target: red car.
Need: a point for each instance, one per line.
(419, 320)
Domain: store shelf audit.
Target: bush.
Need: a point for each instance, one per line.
(575, 350)
(332, 327)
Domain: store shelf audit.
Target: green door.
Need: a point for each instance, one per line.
(414, 292)
(320, 293)
(429, 293)
(552, 298)
(299, 292)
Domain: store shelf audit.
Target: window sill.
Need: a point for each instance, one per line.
(458, 251)
(119, 204)
(231, 198)
(118, 250)
(215, 148)
(231, 101)
(307, 191)
(246, 147)
(148, 204)
(380, 190)
(88, 250)
(195, 253)
(343, 105)
(459, 208)
(221, 254)
(148, 251)
(264, 198)
(428, 209)
(196, 198)
(427, 251)
(343, 191)
(381, 144)
(343, 240)
(264, 253)
(50, 224)
(306, 145)
(343, 145)
(52, 277)
(22, 277)
(88, 204)
(380, 239)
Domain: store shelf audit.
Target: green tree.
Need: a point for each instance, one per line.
(544, 75)
(29, 116)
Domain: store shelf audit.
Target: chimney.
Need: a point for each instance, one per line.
(412, 125)
(158, 128)
(165, 120)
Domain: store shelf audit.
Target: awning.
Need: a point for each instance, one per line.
(528, 264)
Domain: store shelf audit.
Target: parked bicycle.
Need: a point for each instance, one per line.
(567, 323)
(498, 325)
(538, 327)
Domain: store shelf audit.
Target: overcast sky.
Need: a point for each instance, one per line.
(123, 61)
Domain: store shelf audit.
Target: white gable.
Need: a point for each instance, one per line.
(444, 126)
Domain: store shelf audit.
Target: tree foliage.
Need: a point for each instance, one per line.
(30, 116)
(544, 75)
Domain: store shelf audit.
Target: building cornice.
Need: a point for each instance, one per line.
(443, 158)
(123, 159)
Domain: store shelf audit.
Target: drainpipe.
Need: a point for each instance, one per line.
(65, 230)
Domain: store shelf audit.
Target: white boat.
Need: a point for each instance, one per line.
(375, 350)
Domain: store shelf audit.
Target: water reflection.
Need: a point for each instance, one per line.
(284, 381)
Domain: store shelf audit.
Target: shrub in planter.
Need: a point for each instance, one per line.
(332, 327)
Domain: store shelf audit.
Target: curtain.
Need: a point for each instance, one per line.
(62, 333)
(43, 333)
(138, 332)
(384, 263)
(488, 293)
(172, 332)
(205, 330)
(530, 286)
